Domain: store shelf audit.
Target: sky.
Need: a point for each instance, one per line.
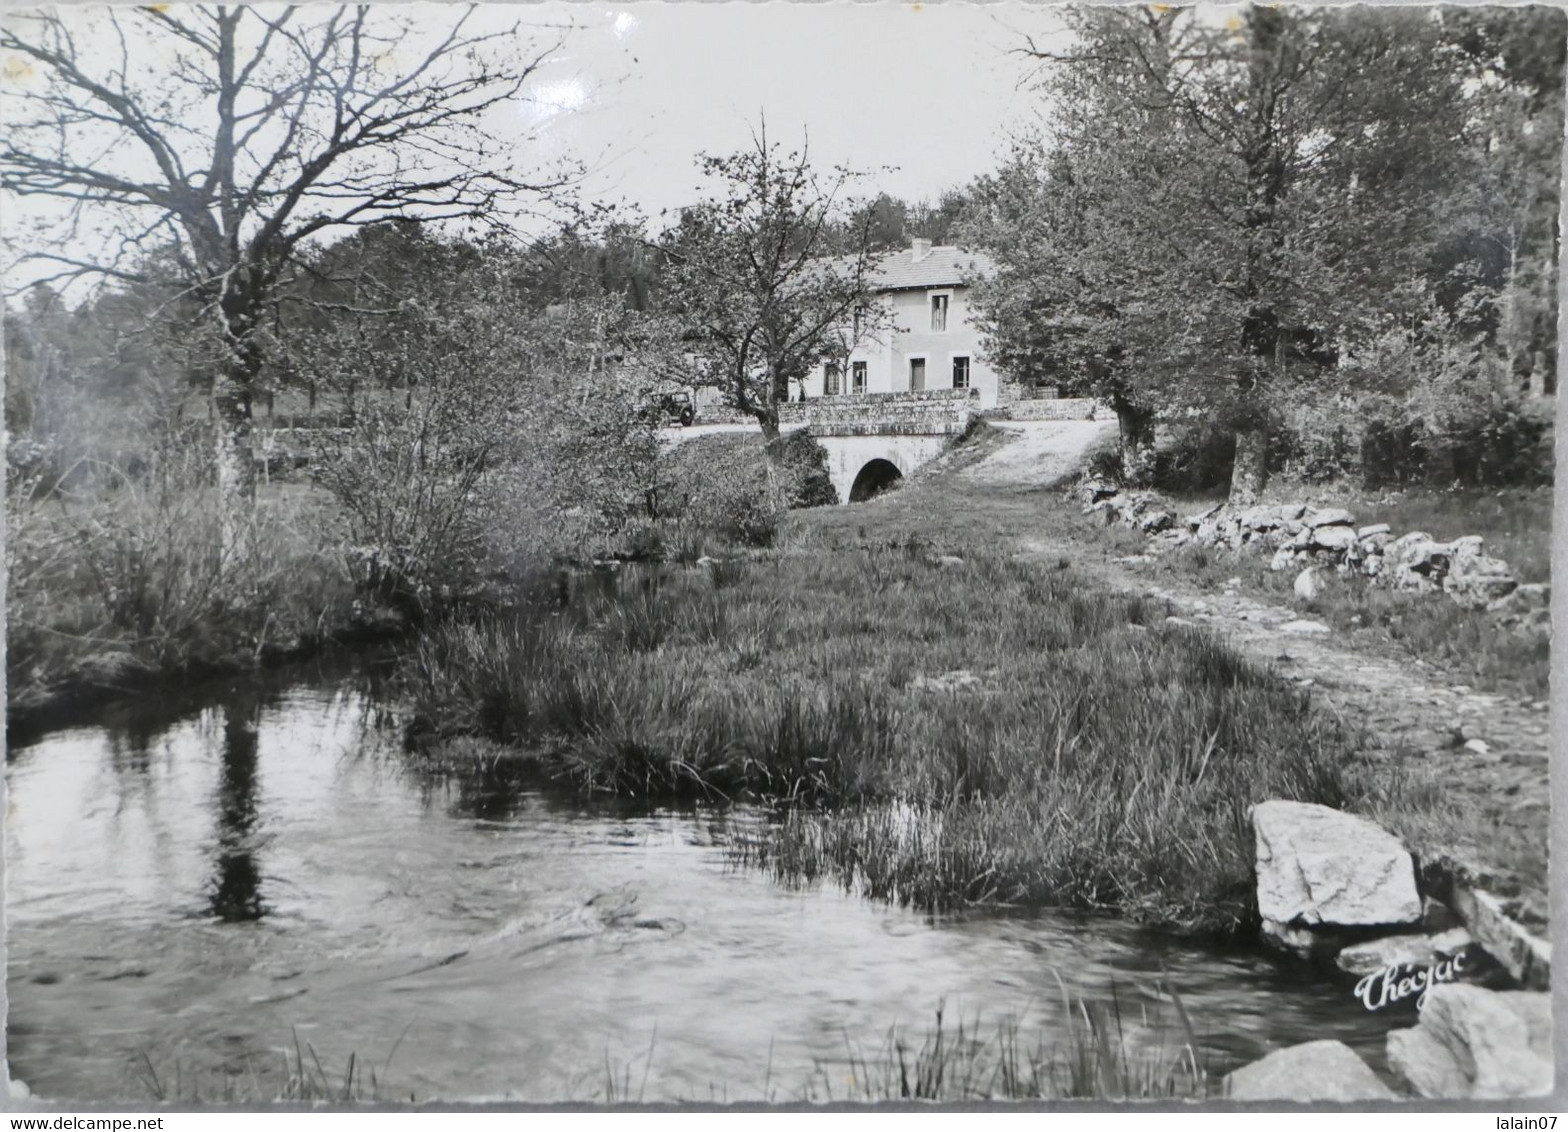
(924, 96)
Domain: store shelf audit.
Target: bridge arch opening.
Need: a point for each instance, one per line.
(875, 478)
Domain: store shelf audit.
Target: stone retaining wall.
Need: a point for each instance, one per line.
(1053, 409)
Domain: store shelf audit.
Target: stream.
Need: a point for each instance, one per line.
(209, 886)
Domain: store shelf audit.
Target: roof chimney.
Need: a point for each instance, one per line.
(921, 248)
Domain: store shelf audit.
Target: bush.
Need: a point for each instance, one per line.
(802, 465)
(727, 485)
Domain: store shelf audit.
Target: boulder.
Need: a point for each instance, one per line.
(1477, 581)
(1292, 512)
(1197, 518)
(1260, 518)
(1319, 868)
(1373, 529)
(1476, 1044)
(1313, 1071)
(1333, 538)
(1307, 586)
(1329, 517)
(1092, 489)
(1402, 951)
(1462, 549)
(1155, 521)
(1521, 599)
(1419, 553)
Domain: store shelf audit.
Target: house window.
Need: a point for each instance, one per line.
(917, 374)
(960, 373)
(830, 379)
(857, 376)
(938, 312)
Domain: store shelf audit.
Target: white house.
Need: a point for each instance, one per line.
(932, 343)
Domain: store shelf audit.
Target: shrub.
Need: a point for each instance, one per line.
(802, 466)
(1500, 442)
(726, 484)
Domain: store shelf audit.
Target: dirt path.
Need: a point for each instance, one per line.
(1418, 721)
(1038, 453)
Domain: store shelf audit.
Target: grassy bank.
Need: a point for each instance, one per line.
(108, 592)
(936, 731)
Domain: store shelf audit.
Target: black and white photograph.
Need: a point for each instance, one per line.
(778, 554)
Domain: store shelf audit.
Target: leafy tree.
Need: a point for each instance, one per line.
(263, 129)
(1230, 208)
(749, 275)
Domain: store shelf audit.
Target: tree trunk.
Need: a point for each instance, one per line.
(234, 457)
(1250, 471)
(1136, 426)
(768, 418)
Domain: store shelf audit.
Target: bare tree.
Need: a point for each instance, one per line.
(228, 137)
(765, 277)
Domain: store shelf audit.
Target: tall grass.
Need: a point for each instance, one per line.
(299, 1074)
(133, 574)
(1089, 757)
(1096, 1052)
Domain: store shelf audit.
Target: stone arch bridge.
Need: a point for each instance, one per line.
(874, 440)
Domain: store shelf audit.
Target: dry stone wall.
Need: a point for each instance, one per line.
(1299, 536)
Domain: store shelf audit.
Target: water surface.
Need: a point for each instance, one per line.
(197, 881)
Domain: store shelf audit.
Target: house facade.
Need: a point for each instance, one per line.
(932, 342)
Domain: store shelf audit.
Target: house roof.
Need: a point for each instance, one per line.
(942, 266)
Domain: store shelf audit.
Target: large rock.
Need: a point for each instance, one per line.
(1320, 869)
(1260, 518)
(1307, 586)
(1476, 581)
(1092, 489)
(1402, 951)
(1156, 521)
(1476, 1043)
(1329, 517)
(1419, 562)
(1521, 599)
(1314, 1071)
(1198, 518)
(1333, 538)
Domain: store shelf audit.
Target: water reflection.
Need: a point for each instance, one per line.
(235, 891)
